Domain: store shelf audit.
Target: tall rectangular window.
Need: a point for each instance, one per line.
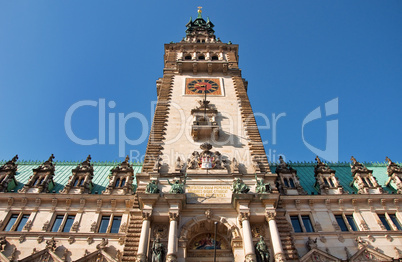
(57, 223)
(11, 222)
(104, 224)
(110, 224)
(351, 222)
(16, 222)
(307, 223)
(23, 221)
(63, 223)
(341, 223)
(396, 222)
(296, 224)
(69, 222)
(115, 224)
(384, 221)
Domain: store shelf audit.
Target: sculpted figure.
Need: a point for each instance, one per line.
(261, 187)
(158, 251)
(152, 188)
(239, 187)
(262, 250)
(177, 187)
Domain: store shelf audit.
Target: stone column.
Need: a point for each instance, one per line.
(275, 237)
(248, 246)
(172, 242)
(142, 247)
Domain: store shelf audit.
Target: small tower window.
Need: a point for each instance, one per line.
(214, 58)
(331, 182)
(292, 184)
(286, 182)
(117, 183)
(198, 41)
(123, 182)
(201, 57)
(187, 57)
(36, 181)
(82, 181)
(76, 182)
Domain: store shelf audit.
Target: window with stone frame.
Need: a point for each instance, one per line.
(109, 224)
(63, 223)
(390, 221)
(120, 182)
(16, 222)
(346, 222)
(301, 223)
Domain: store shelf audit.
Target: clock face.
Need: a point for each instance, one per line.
(200, 86)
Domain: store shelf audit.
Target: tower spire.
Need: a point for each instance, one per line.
(199, 12)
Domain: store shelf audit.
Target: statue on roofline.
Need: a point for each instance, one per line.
(152, 188)
(177, 187)
(238, 187)
(261, 187)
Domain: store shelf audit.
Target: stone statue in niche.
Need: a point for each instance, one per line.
(152, 188)
(158, 251)
(177, 187)
(239, 187)
(262, 251)
(261, 187)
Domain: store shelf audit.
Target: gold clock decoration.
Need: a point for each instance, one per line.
(200, 86)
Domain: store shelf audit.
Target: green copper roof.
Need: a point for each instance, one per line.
(64, 171)
(305, 172)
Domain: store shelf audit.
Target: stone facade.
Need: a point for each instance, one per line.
(205, 183)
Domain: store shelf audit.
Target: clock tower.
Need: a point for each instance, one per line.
(206, 189)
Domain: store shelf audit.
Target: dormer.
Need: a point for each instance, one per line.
(204, 122)
(81, 180)
(288, 182)
(395, 176)
(326, 181)
(363, 179)
(7, 175)
(121, 179)
(42, 179)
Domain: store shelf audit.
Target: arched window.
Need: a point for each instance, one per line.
(117, 183)
(201, 57)
(326, 182)
(214, 58)
(291, 183)
(82, 181)
(41, 181)
(369, 182)
(331, 182)
(36, 181)
(187, 57)
(123, 182)
(76, 182)
(285, 180)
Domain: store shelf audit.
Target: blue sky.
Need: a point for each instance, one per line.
(295, 55)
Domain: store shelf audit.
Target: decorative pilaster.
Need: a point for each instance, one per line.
(275, 237)
(172, 242)
(247, 237)
(142, 246)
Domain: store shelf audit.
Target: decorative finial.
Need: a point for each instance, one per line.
(199, 11)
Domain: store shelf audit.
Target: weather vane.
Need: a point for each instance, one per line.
(199, 9)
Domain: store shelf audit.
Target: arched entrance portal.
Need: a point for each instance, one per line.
(197, 239)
